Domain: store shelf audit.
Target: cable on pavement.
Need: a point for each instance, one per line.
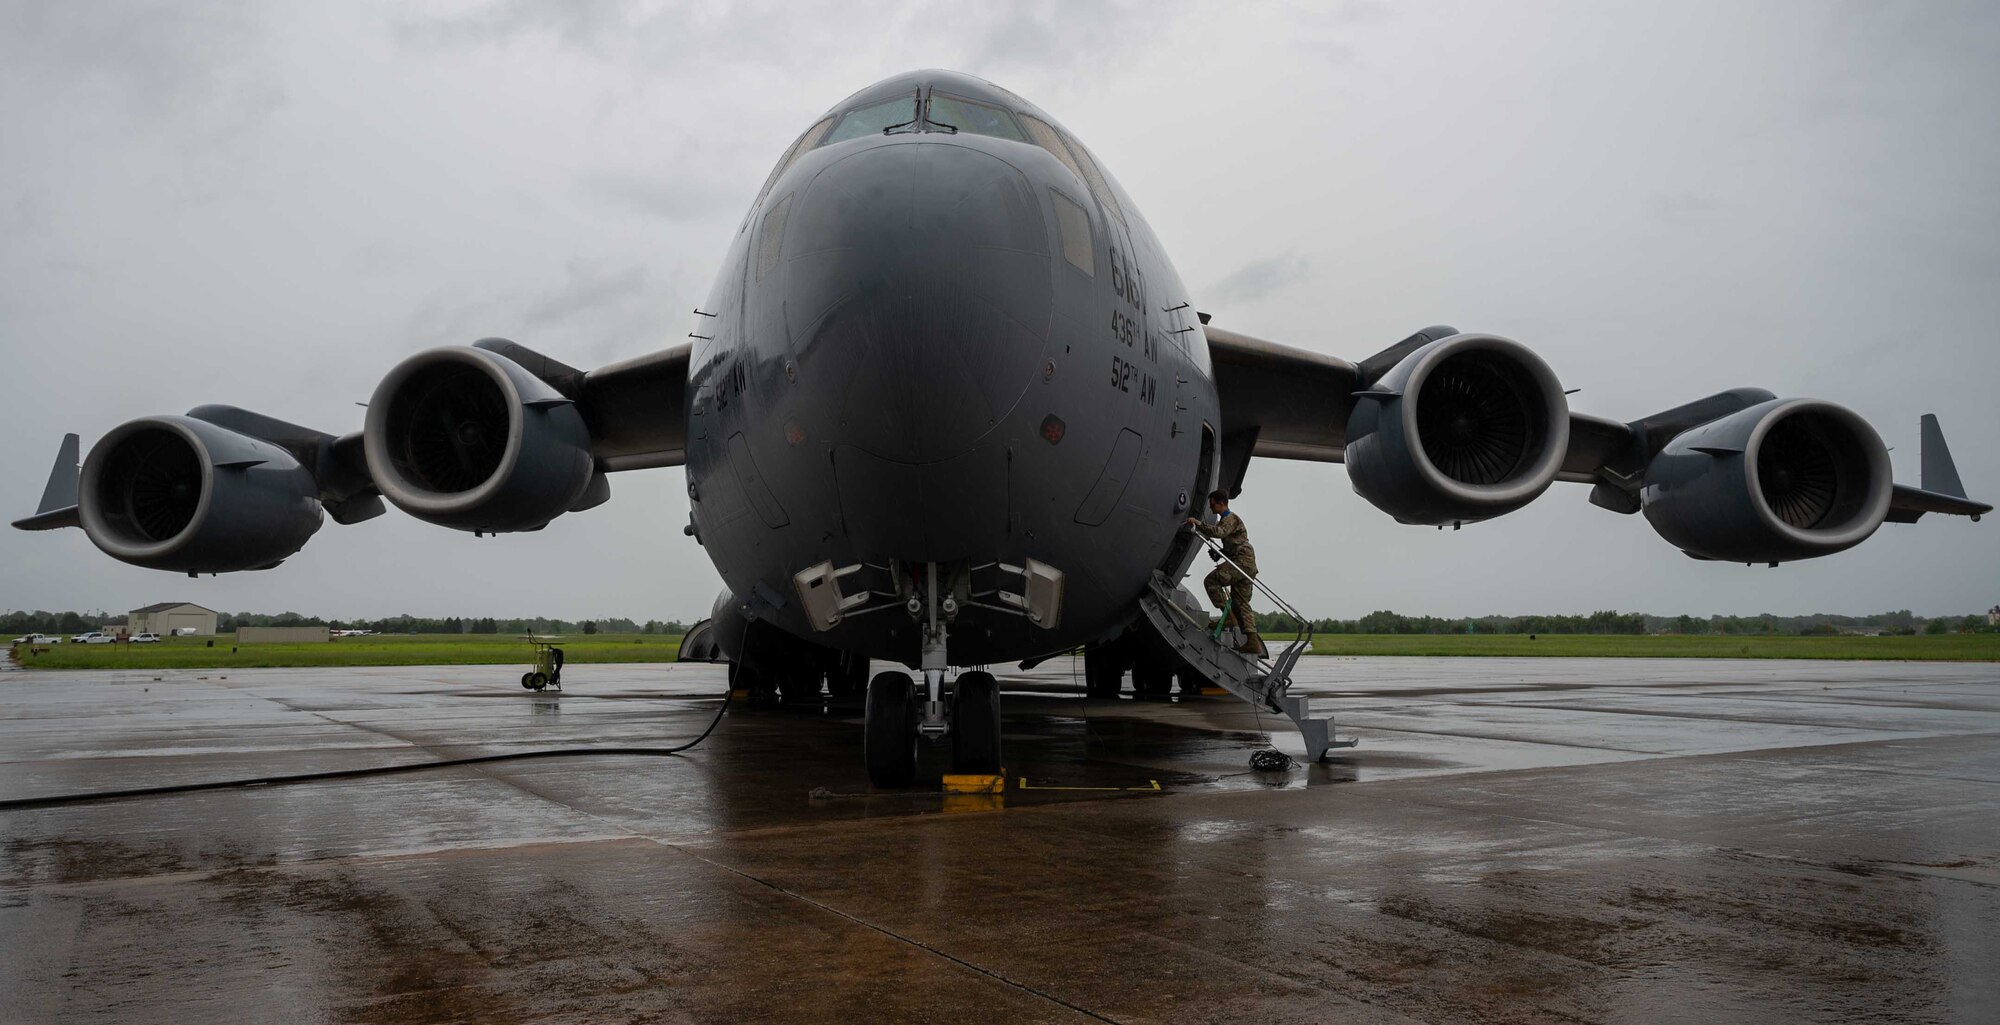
(379, 770)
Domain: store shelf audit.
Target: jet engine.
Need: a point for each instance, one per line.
(466, 438)
(1784, 479)
(1463, 429)
(176, 493)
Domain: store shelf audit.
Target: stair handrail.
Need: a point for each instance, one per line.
(1305, 625)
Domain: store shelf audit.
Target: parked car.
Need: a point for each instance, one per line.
(146, 638)
(93, 637)
(38, 639)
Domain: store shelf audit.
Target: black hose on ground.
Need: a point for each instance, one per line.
(379, 770)
(1271, 760)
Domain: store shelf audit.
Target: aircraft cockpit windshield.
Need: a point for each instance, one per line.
(938, 111)
(972, 116)
(874, 119)
(919, 108)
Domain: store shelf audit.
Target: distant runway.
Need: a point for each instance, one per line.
(1513, 840)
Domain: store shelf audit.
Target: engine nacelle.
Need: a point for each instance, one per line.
(1782, 480)
(462, 437)
(176, 493)
(1465, 428)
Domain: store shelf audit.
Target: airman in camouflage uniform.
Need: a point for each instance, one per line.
(1227, 587)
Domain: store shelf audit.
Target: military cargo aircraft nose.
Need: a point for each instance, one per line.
(916, 277)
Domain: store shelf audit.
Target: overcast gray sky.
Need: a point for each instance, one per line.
(270, 204)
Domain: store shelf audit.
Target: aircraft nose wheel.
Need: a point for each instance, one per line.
(889, 742)
(975, 724)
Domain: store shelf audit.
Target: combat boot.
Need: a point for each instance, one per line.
(1253, 645)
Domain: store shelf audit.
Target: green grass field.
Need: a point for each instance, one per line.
(1947, 647)
(379, 650)
(490, 649)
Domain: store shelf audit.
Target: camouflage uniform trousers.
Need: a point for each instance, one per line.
(1226, 583)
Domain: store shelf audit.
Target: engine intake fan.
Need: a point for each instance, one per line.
(177, 493)
(467, 438)
(1463, 429)
(1782, 480)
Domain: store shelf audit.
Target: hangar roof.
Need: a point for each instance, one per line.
(165, 605)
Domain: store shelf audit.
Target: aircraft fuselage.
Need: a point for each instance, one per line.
(952, 348)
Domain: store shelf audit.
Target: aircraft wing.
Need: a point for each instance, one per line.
(1740, 475)
(1297, 402)
(489, 438)
(1294, 402)
(636, 409)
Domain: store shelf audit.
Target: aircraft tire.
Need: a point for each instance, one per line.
(1152, 681)
(527, 681)
(758, 688)
(849, 677)
(1103, 671)
(889, 739)
(536, 681)
(798, 683)
(975, 724)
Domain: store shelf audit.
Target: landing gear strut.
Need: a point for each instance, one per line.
(897, 715)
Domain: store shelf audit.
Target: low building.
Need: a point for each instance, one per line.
(281, 634)
(169, 616)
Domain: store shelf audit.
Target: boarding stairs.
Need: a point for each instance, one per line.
(1182, 620)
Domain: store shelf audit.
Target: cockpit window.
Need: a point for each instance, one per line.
(1076, 158)
(1044, 135)
(973, 116)
(871, 120)
(807, 141)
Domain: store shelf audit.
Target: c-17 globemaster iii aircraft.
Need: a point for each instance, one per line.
(949, 405)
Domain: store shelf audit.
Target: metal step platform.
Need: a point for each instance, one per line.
(1182, 620)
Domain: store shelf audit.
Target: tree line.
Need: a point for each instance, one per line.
(15, 623)
(1902, 621)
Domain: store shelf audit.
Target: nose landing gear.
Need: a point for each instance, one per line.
(895, 717)
(894, 721)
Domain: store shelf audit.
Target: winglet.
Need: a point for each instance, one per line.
(1940, 474)
(1940, 490)
(61, 490)
(58, 508)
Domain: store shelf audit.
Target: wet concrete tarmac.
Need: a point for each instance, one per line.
(1513, 840)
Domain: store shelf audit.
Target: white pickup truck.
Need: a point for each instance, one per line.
(93, 637)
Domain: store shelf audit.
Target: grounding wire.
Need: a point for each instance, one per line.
(379, 770)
